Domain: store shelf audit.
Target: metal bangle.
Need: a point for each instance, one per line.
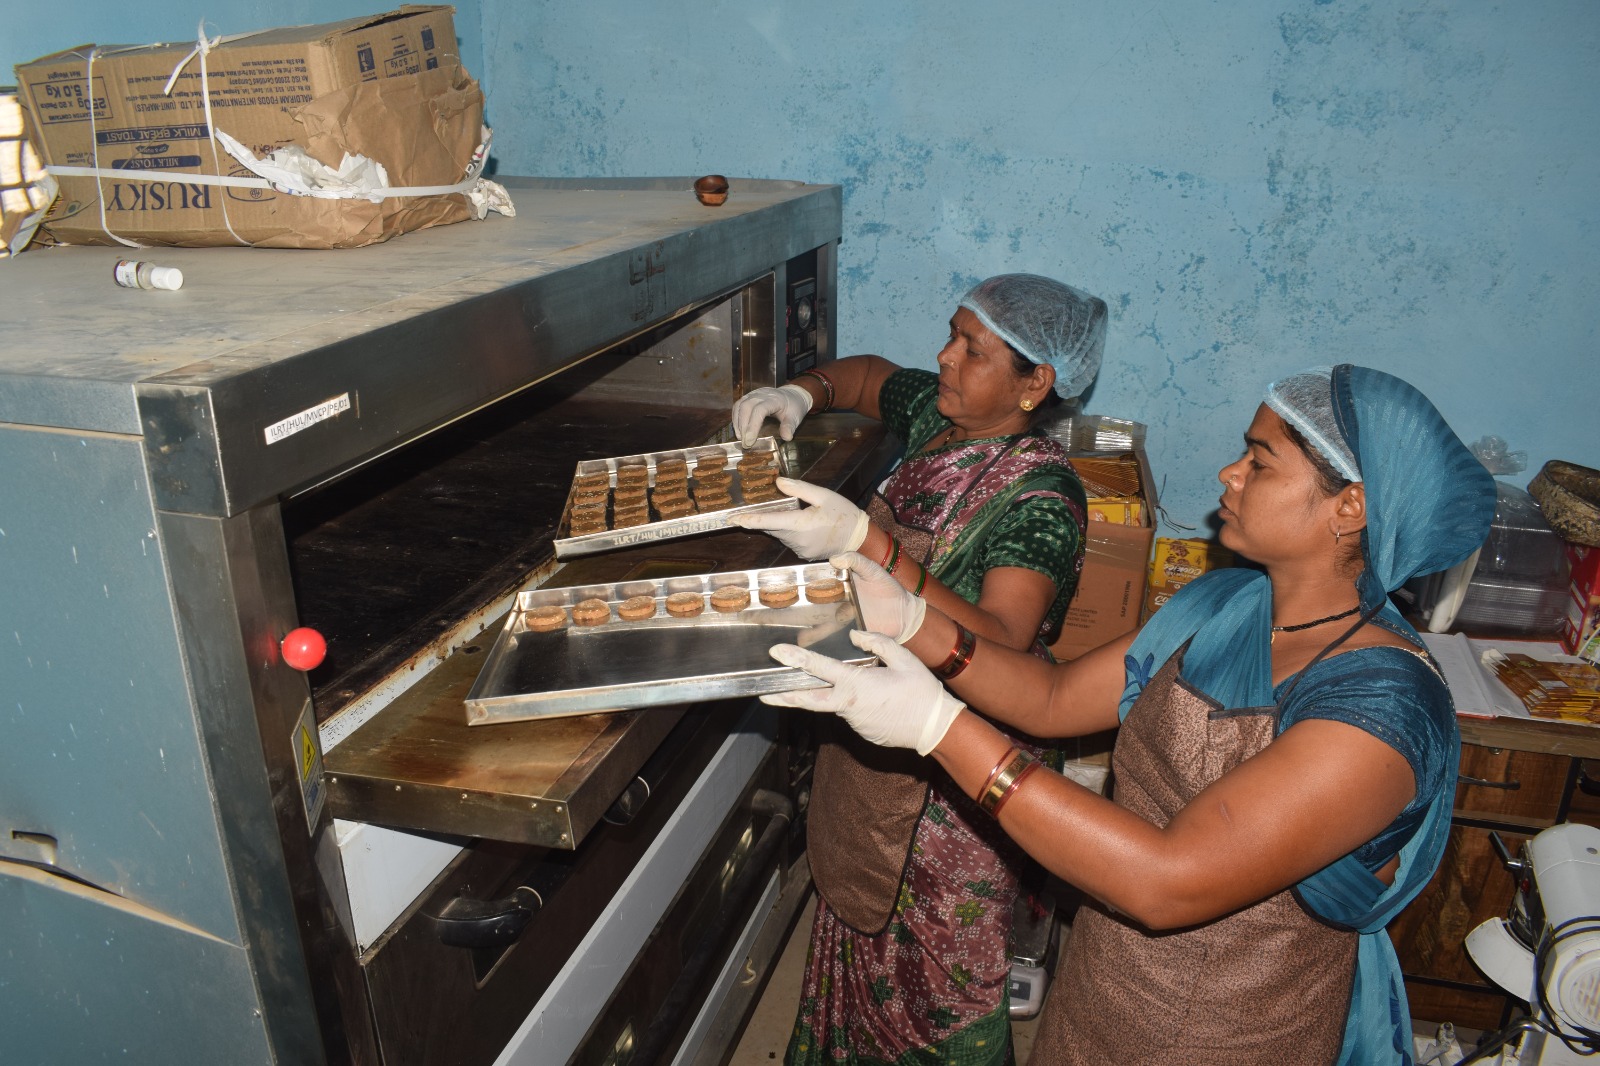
(1001, 786)
(1001, 765)
(1016, 783)
(960, 656)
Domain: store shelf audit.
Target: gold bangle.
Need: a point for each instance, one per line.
(1000, 787)
(1016, 783)
(1001, 765)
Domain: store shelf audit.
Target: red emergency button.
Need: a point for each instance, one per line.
(304, 648)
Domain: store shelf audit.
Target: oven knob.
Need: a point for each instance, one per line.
(304, 648)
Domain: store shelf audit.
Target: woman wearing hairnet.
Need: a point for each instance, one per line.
(984, 520)
(1286, 759)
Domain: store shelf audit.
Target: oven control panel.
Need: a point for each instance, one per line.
(803, 311)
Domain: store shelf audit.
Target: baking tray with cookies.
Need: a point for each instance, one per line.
(638, 499)
(628, 644)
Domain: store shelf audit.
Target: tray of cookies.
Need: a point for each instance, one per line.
(638, 499)
(651, 642)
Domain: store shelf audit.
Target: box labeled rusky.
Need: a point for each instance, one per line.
(132, 127)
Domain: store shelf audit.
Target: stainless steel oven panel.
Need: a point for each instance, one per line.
(530, 298)
(561, 1019)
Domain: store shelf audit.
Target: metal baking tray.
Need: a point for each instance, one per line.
(622, 665)
(568, 546)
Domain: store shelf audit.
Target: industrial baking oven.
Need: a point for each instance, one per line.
(207, 855)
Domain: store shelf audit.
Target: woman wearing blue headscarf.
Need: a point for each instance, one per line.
(1286, 759)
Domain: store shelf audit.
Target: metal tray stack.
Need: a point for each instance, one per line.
(622, 665)
(568, 546)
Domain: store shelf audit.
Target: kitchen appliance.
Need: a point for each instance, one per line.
(1547, 950)
(1514, 585)
(207, 855)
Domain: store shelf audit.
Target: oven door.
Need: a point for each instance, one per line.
(616, 943)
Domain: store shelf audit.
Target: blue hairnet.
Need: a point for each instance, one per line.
(1045, 321)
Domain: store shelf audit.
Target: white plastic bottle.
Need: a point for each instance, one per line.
(134, 274)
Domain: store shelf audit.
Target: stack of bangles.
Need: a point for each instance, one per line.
(1004, 780)
(827, 387)
(892, 560)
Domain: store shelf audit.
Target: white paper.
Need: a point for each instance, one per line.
(1477, 692)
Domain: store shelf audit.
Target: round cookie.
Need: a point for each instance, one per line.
(685, 604)
(764, 494)
(825, 590)
(633, 475)
(758, 461)
(730, 598)
(710, 464)
(671, 466)
(629, 519)
(544, 619)
(674, 507)
(779, 595)
(594, 479)
(672, 482)
(591, 613)
(636, 608)
(720, 479)
(712, 501)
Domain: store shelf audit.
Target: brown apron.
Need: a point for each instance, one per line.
(1269, 984)
(866, 800)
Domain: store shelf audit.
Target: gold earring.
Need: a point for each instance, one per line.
(1027, 405)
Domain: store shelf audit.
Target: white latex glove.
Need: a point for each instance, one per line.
(898, 705)
(832, 524)
(887, 606)
(789, 404)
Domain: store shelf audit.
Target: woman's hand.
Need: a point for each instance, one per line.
(887, 606)
(789, 404)
(831, 525)
(899, 704)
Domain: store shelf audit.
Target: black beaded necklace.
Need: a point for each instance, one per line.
(1312, 625)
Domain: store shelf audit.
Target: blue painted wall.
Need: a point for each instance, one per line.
(1253, 185)
(29, 30)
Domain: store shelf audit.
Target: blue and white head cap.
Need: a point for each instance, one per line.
(1305, 401)
(1045, 321)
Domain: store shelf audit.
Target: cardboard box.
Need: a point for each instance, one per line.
(1111, 588)
(1178, 561)
(1580, 627)
(388, 87)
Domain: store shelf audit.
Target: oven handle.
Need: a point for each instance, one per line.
(486, 923)
(691, 976)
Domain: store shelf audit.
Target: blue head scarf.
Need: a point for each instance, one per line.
(1429, 504)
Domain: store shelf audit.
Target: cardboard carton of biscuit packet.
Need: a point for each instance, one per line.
(1178, 561)
(1111, 462)
(329, 136)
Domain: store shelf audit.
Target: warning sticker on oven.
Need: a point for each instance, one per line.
(308, 765)
(325, 410)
